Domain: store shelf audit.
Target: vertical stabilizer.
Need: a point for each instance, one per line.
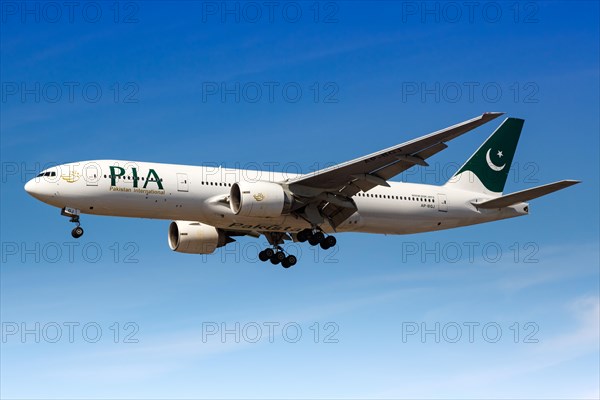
(487, 169)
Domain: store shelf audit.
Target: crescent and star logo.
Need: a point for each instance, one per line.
(72, 177)
(259, 197)
(490, 164)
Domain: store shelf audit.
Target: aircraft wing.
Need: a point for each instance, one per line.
(333, 187)
(366, 172)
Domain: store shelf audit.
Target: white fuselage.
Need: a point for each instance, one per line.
(195, 193)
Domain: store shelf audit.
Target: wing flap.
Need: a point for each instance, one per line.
(403, 164)
(525, 195)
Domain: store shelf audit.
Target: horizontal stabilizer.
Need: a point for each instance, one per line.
(525, 195)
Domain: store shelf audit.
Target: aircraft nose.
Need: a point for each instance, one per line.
(33, 188)
(30, 186)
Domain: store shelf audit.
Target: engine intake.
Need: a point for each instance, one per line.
(195, 238)
(259, 199)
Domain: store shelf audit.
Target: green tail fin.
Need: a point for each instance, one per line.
(487, 169)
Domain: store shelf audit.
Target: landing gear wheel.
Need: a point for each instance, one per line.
(304, 235)
(277, 257)
(269, 253)
(328, 242)
(285, 263)
(262, 256)
(77, 232)
(316, 238)
(331, 241)
(290, 261)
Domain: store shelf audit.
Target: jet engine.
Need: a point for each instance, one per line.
(259, 199)
(195, 238)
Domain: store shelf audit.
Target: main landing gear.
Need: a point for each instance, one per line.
(73, 213)
(277, 256)
(316, 237)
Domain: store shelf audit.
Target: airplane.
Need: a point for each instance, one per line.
(209, 207)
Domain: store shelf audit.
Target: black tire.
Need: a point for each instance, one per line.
(324, 245)
(291, 260)
(319, 236)
(285, 263)
(77, 232)
(316, 238)
(330, 241)
(303, 235)
(262, 256)
(269, 252)
(277, 257)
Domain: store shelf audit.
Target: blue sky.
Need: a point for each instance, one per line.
(177, 83)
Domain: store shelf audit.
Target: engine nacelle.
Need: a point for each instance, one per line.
(259, 199)
(195, 238)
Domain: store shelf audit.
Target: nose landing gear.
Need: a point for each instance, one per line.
(73, 213)
(77, 232)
